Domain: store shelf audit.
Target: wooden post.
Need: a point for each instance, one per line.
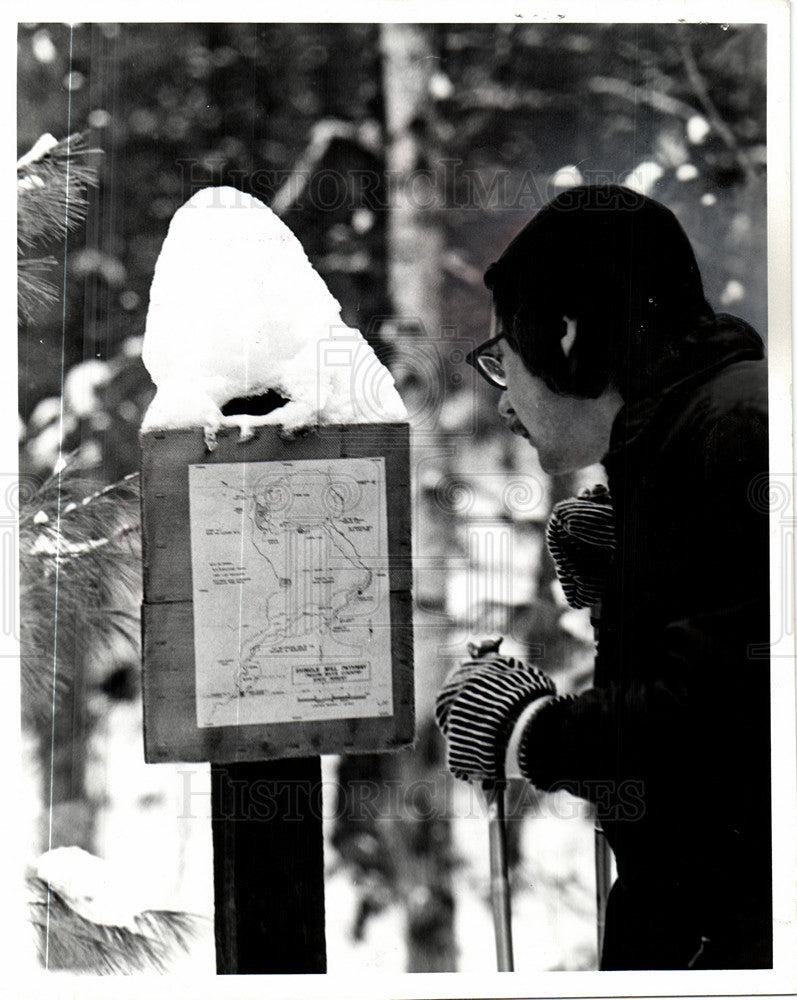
(268, 867)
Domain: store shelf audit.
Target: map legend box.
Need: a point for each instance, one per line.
(277, 614)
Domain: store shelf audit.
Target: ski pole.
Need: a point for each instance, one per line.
(499, 877)
(603, 878)
(493, 792)
(603, 853)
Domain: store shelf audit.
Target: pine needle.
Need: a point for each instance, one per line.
(68, 940)
(80, 570)
(51, 197)
(51, 201)
(34, 287)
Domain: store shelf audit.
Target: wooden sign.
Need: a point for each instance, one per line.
(277, 614)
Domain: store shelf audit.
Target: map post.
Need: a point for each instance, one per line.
(277, 626)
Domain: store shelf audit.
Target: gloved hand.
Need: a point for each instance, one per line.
(580, 538)
(478, 706)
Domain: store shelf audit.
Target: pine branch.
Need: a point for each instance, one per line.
(79, 566)
(51, 197)
(51, 201)
(34, 287)
(68, 940)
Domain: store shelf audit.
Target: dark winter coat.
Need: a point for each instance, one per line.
(672, 744)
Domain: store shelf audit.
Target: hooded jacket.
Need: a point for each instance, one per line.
(672, 743)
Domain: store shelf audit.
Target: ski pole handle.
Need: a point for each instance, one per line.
(493, 792)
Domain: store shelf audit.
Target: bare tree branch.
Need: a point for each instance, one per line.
(642, 95)
(716, 120)
(322, 135)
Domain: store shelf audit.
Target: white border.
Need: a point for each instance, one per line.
(783, 980)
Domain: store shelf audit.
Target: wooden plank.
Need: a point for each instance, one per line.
(268, 867)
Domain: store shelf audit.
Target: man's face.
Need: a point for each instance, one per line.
(568, 433)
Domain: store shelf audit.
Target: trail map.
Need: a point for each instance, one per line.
(291, 591)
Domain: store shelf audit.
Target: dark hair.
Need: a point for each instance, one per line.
(618, 263)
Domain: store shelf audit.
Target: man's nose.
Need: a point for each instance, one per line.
(505, 407)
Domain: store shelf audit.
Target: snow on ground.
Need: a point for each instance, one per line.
(382, 948)
(235, 309)
(553, 893)
(154, 825)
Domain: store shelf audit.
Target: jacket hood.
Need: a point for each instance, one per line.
(705, 348)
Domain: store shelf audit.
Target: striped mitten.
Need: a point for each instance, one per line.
(580, 538)
(478, 707)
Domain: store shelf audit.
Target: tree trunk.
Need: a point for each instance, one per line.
(415, 245)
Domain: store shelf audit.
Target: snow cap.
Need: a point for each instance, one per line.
(237, 309)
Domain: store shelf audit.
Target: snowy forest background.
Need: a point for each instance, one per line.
(404, 157)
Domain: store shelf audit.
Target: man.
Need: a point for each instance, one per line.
(606, 350)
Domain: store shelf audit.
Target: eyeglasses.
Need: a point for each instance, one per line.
(487, 365)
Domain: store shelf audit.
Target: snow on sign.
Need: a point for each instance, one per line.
(290, 589)
(237, 309)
